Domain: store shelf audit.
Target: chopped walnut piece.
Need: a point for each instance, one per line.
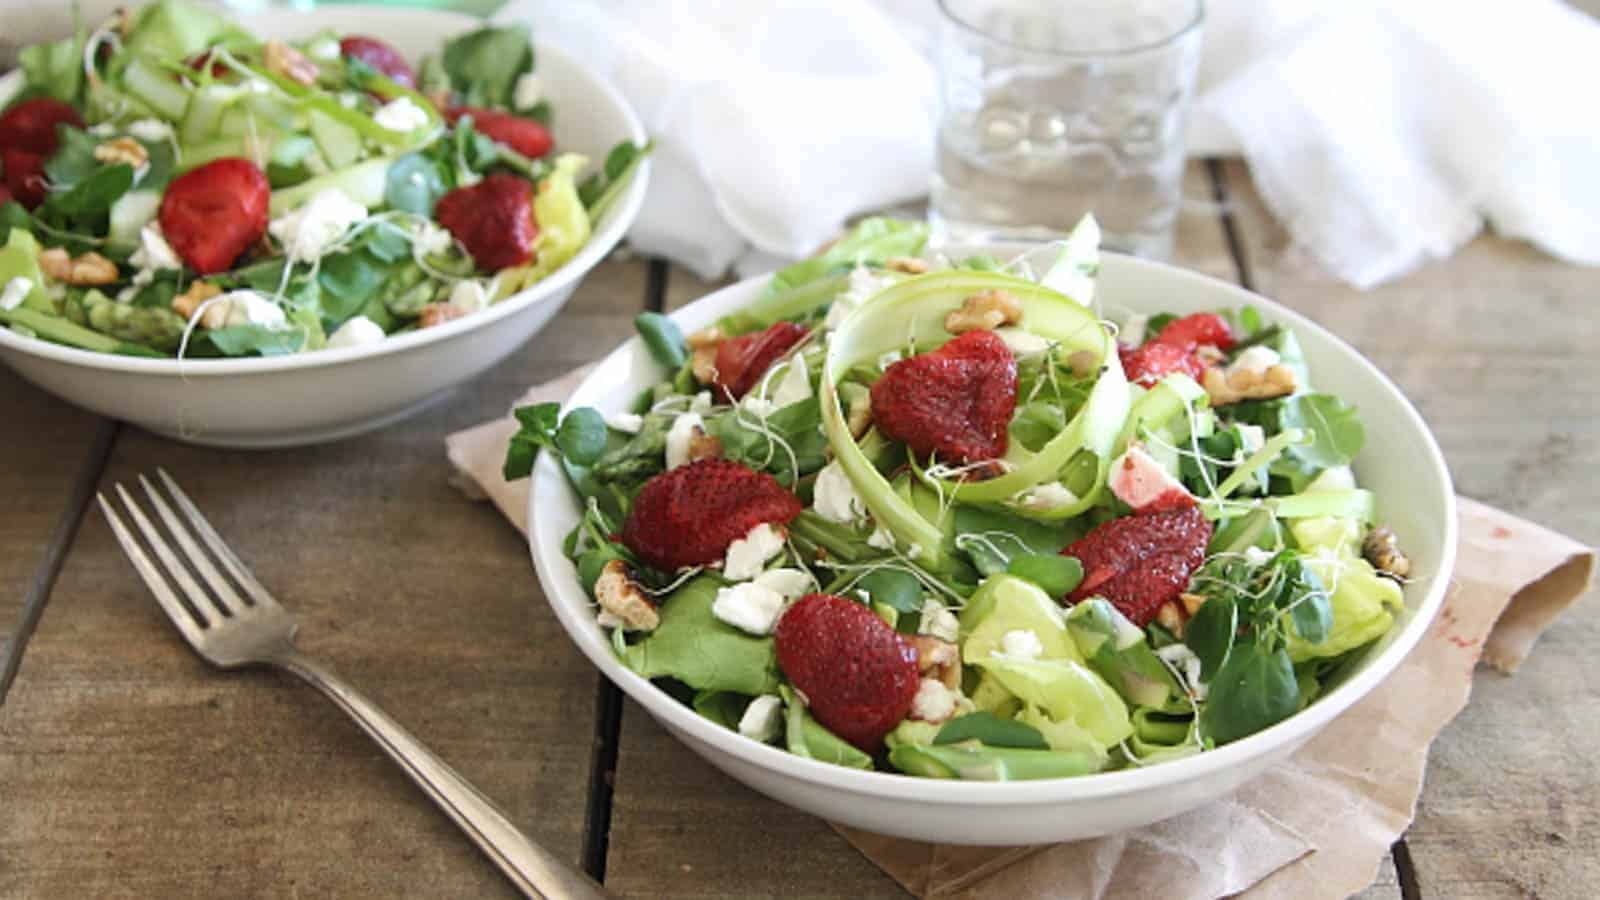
(1171, 617)
(703, 364)
(1382, 549)
(122, 150)
(1191, 602)
(285, 61)
(985, 310)
(705, 337)
(910, 265)
(938, 658)
(620, 595)
(186, 303)
(87, 269)
(1248, 384)
(859, 415)
(703, 446)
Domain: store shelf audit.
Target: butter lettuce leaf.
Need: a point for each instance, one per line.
(701, 651)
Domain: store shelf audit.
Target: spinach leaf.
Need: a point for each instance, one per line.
(1336, 430)
(798, 426)
(387, 242)
(598, 190)
(1210, 634)
(244, 340)
(1254, 689)
(94, 194)
(701, 650)
(347, 280)
(991, 730)
(74, 157)
(414, 184)
(662, 338)
(722, 707)
(991, 538)
(894, 588)
(484, 65)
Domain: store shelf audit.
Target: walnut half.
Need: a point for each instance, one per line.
(622, 597)
(88, 269)
(1248, 384)
(985, 310)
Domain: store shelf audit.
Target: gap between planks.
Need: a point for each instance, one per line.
(55, 552)
(608, 702)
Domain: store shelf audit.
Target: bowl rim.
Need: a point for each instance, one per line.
(616, 224)
(545, 549)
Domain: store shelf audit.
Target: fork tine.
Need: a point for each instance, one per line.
(221, 589)
(180, 616)
(240, 572)
(199, 600)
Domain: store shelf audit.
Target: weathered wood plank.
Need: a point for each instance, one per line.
(680, 828)
(133, 770)
(1496, 347)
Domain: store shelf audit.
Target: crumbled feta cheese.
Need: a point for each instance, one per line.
(701, 402)
(682, 432)
(1184, 660)
(1256, 359)
(794, 385)
(257, 86)
(748, 606)
(747, 555)
(16, 290)
(1021, 643)
(1256, 556)
(325, 50)
(1045, 497)
(627, 423)
(251, 308)
(150, 130)
(104, 129)
(758, 406)
(1022, 343)
(834, 497)
(939, 621)
(1133, 329)
(1138, 480)
(1254, 437)
(791, 583)
(761, 718)
(430, 238)
(529, 90)
(154, 253)
(880, 539)
(401, 114)
(356, 332)
(860, 287)
(933, 701)
(470, 296)
(307, 233)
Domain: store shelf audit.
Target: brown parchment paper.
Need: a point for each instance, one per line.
(1316, 826)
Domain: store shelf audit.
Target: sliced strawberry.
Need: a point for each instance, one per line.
(1199, 328)
(493, 219)
(1146, 365)
(527, 137)
(689, 515)
(212, 214)
(954, 402)
(857, 674)
(25, 176)
(1142, 561)
(31, 125)
(5, 195)
(380, 56)
(741, 361)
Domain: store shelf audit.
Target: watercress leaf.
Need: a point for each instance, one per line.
(662, 338)
(1254, 689)
(414, 184)
(897, 589)
(991, 730)
(484, 65)
(1211, 632)
(582, 435)
(536, 430)
(1055, 573)
(74, 158)
(95, 193)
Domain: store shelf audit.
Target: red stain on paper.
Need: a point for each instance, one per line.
(1501, 532)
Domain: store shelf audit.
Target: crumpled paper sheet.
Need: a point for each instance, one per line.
(1316, 826)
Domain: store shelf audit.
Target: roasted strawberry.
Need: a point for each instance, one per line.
(31, 125)
(380, 56)
(1142, 561)
(857, 674)
(954, 402)
(493, 219)
(212, 214)
(741, 361)
(689, 515)
(1147, 364)
(1199, 328)
(527, 137)
(24, 176)
(5, 194)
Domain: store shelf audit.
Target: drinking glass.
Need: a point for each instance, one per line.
(1050, 110)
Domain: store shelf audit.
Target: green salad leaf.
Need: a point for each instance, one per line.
(483, 65)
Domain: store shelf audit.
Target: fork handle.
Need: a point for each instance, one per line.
(534, 870)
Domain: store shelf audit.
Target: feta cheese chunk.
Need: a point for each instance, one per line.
(154, 253)
(701, 402)
(325, 50)
(791, 583)
(247, 307)
(150, 130)
(1256, 359)
(1253, 436)
(527, 92)
(1133, 329)
(1256, 556)
(401, 114)
(747, 555)
(627, 423)
(748, 606)
(470, 296)
(356, 332)
(761, 718)
(430, 239)
(880, 539)
(1138, 480)
(680, 435)
(1022, 343)
(1180, 657)
(307, 233)
(933, 701)
(1021, 643)
(938, 621)
(834, 496)
(1046, 497)
(860, 287)
(15, 291)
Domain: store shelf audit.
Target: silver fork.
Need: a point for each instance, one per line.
(230, 631)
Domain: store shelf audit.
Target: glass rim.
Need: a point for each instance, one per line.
(1192, 24)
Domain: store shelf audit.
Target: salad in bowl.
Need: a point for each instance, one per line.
(175, 185)
(958, 519)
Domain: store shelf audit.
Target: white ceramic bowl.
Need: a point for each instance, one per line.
(331, 394)
(1401, 464)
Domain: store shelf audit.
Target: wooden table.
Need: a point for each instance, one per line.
(130, 769)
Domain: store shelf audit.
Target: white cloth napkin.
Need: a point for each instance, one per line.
(1382, 134)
